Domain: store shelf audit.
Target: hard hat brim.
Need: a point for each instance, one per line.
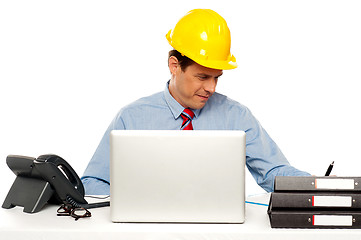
(221, 65)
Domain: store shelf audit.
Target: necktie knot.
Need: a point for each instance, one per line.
(187, 116)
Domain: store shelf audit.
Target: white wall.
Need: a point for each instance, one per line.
(67, 67)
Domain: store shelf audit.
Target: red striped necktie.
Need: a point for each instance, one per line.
(187, 116)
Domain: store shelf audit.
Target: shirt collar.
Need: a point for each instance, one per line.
(174, 106)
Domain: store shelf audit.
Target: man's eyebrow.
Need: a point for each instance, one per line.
(219, 75)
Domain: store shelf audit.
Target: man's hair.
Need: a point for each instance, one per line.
(183, 61)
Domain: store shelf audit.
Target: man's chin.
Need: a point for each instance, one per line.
(198, 105)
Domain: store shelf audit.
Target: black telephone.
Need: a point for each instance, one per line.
(48, 178)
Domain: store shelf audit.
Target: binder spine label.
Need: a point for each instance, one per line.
(331, 201)
(334, 183)
(332, 220)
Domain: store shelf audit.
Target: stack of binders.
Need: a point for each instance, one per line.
(316, 202)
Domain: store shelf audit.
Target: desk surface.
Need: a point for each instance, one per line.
(14, 224)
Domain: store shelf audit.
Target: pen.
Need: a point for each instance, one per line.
(329, 169)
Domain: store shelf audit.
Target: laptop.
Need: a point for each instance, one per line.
(170, 176)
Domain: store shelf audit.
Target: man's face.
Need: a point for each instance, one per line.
(193, 87)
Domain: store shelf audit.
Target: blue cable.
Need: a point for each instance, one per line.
(256, 203)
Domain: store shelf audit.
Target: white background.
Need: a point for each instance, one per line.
(67, 67)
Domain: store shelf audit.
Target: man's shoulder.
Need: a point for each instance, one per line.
(222, 100)
(154, 100)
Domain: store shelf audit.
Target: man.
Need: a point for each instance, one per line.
(201, 42)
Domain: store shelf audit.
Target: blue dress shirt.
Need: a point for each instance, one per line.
(161, 111)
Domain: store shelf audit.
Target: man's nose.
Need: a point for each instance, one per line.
(210, 85)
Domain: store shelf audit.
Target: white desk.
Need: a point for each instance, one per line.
(14, 224)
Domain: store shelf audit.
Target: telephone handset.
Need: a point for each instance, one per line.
(61, 177)
(48, 178)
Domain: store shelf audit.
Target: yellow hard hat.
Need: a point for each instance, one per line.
(203, 36)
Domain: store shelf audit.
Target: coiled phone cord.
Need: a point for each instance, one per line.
(71, 201)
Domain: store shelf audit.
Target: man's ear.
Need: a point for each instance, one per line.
(173, 65)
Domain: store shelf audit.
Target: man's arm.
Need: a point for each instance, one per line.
(96, 177)
(264, 159)
(95, 186)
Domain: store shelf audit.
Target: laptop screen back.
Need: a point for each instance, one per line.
(177, 176)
